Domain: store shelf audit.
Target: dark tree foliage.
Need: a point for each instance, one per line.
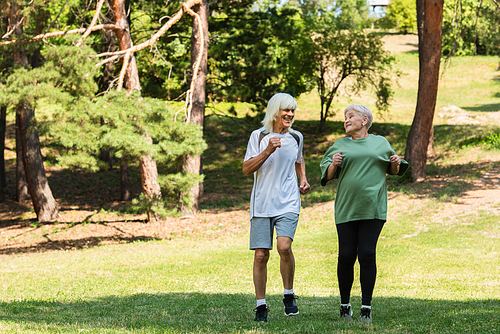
(257, 55)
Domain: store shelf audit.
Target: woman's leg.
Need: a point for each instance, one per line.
(369, 232)
(348, 248)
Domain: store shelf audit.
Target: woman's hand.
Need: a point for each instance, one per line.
(337, 159)
(395, 161)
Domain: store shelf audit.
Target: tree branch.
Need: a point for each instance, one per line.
(123, 71)
(189, 96)
(497, 3)
(157, 35)
(13, 28)
(62, 33)
(94, 20)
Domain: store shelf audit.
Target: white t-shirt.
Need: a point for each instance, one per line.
(275, 187)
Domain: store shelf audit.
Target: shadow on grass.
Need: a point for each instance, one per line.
(492, 107)
(226, 313)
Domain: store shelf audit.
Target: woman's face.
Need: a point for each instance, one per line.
(284, 119)
(354, 122)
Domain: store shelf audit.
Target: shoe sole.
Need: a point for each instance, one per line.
(290, 314)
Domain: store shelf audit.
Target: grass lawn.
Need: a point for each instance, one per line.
(434, 277)
(438, 265)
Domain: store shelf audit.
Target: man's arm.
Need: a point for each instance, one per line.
(253, 164)
(300, 169)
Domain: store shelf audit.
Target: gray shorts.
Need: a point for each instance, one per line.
(262, 228)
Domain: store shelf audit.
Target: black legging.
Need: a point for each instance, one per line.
(358, 239)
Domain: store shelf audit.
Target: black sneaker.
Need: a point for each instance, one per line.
(365, 316)
(261, 313)
(346, 313)
(290, 305)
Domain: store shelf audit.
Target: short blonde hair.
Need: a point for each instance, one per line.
(363, 111)
(278, 101)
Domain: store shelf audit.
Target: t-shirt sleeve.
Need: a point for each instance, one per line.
(326, 161)
(253, 147)
(301, 146)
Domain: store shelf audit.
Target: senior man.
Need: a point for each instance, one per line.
(274, 157)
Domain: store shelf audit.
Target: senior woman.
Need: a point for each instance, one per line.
(274, 157)
(359, 162)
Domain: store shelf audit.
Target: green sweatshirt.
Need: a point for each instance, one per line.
(362, 185)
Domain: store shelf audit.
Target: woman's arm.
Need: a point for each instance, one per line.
(336, 161)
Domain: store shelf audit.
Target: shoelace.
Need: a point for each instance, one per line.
(345, 310)
(365, 312)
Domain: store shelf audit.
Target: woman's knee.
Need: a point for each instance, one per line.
(347, 257)
(367, 257)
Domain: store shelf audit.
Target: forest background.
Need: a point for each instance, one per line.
(88, 129)
(101, 267)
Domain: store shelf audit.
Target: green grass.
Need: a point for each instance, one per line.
(434, 277)
(438, 270)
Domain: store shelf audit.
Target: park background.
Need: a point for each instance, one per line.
(101, 268)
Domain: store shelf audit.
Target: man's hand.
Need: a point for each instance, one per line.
(304, 187)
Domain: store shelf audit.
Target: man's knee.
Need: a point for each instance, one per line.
(261, 256)
(284, 246)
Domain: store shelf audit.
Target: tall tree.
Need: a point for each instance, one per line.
(43, 201)
(196, 95)
(3, 126)
(429, 23)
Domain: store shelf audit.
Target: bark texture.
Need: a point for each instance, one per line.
(149, 180)
(429, 20)
(3, 126)
(43, 202)
(21, 182)
(124, 180)
(193, 164)
(131, 80)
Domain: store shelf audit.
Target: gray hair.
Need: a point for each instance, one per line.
(362, 111)
(278, 101)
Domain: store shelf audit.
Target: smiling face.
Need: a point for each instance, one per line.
(283, 120)
(355, 123)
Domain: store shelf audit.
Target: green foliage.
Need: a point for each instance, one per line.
(66, 74)
(257, 55)
(491, 141)
(401, 15)
(121, 124)
(354, 60)
(470, 27)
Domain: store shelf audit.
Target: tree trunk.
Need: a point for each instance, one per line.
(149, 180)
(3, 127)
(38, 186)
(125, 180)
(21, 182)
(193, 164)
(131, 79)
(43, 202)
(429, 20)
(147, 166)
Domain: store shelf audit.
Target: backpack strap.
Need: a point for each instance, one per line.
(262, 134)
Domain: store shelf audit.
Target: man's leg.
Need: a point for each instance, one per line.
(287, 261)
(286, 225)
(260, 259)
